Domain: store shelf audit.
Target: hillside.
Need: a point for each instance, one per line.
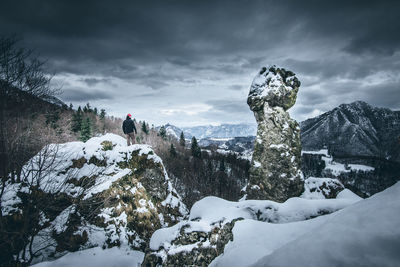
(355, 129)
(31, 122)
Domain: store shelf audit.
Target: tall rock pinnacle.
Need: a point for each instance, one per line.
(275, 173)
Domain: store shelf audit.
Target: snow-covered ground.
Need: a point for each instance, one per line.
(257, 217)
(335, 167)
(96, 257)
(364, 234)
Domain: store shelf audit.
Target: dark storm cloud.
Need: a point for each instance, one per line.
(184, 31)
(229, 106)
(157, 44)
(82, 95)
(94, 81)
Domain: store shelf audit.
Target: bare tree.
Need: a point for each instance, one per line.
(20, 70)
(44, 186)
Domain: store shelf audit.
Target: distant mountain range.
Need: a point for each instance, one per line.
(210, 131)
(363, 143)
(355, 129)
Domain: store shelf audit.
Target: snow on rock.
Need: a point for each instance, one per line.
(320, 188)
(9, 200)
(253, 239)
(364, 234)
(215, 223)
(347, 194)
(276, 86)
(163, 237)
(294, 209)
(113, 194)
(94, 257)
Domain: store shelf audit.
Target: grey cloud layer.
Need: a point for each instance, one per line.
(162, 45)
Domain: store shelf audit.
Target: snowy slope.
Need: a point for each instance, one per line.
(95, 257)
(355, 129)
(364, 234)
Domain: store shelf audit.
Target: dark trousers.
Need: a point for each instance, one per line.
(129, 137)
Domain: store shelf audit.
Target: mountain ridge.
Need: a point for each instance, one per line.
(354, 129)
(351, 129)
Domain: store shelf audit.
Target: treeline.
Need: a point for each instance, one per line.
(88, 121)
(197, 173)
(30, 114)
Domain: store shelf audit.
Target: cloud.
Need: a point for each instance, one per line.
(83, 95)
(235, 87)
(93, 81)
(229, 106)
(172, 54)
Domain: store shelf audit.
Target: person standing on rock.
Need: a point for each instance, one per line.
(128, 126)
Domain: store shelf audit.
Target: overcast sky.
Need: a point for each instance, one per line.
(192, 62)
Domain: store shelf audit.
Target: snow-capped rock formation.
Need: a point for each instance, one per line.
(276, 172)
(320, 188)
(211, 228)
(99, 193)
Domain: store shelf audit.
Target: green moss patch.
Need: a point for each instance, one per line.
(107, 145)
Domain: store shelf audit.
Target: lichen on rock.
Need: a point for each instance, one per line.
(276, 165)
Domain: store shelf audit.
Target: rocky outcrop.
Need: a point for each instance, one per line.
(99, 193)
(321, 188)
(276, 165)
(212, 227)
(195, 244)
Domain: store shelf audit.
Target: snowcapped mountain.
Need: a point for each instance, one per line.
(210, 131)
(355, 129)
(354, 135)
(222, 131)
(173, 131)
